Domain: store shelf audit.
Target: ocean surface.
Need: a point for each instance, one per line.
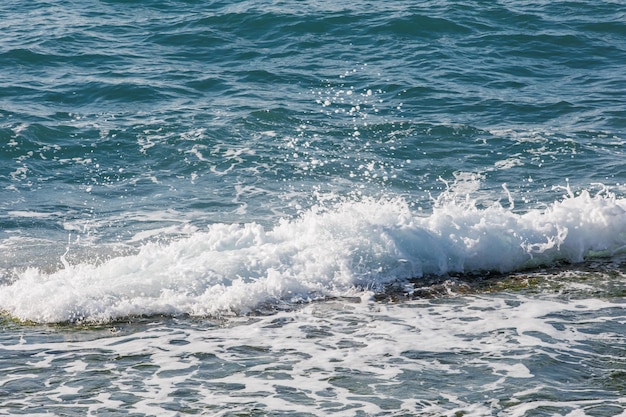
(313, 208)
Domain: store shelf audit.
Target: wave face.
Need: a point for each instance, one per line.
(339, 250)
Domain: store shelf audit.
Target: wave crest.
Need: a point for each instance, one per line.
(330, 250)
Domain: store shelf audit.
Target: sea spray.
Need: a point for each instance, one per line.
(329, 250)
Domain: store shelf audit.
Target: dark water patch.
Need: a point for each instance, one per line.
(95, 94)
(591, 279)
(28, 57)
(420, 25)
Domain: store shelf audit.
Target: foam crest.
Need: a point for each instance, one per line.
(327, 251)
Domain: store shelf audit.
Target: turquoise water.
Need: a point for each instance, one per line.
(312, 208)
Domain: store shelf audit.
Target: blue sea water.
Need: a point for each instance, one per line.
(312, 208)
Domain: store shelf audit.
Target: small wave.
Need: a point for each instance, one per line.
(332, 250)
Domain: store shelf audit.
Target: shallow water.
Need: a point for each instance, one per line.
(538, 350)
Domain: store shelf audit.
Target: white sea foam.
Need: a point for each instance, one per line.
(327, 251)
(502, 354)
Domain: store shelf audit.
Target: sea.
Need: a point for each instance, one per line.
(313, 208)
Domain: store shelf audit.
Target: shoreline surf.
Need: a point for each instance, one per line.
(327, 251)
